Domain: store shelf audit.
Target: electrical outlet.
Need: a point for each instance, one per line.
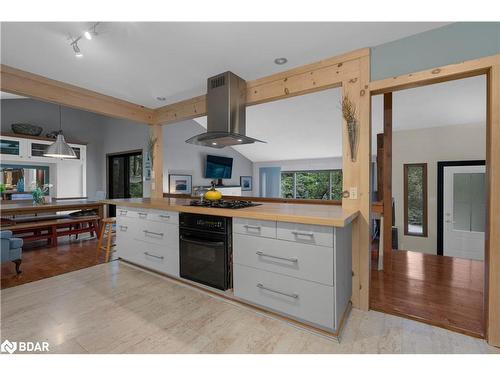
(353, 193)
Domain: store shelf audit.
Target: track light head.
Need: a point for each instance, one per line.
(76, 49)
(88, 35)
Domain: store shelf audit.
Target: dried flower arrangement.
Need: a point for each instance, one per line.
(349, 114)
(151, 147)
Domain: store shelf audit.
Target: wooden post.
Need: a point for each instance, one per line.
(387, 182)
(492, 287)
(356, 174)
(157, 172)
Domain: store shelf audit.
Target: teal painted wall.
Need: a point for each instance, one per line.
(446, 45)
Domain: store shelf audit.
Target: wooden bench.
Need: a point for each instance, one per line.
(51, 229)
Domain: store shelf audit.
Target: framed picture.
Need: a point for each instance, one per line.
(246, 183)
(179, 183)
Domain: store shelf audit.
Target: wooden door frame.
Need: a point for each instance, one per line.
(440, 195)
(490, 67)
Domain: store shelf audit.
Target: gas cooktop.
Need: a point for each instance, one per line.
(222, 204)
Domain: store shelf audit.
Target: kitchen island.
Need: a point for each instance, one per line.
(290, 260)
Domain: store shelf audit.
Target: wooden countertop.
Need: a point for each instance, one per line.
(294, 213)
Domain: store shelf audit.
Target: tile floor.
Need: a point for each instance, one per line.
(115, 308)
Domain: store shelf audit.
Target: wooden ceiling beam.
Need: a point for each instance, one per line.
(23, 83)
(313, 77)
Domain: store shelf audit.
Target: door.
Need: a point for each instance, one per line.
(270, 182)
(464, 219)
(124, 177)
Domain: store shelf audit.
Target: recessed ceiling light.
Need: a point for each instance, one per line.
(87, 35)
(240, 140)
(214, 143)
(280, 60)
(161, 98)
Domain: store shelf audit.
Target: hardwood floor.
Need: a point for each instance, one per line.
(41, 261)
(443, 291)
(116, 308)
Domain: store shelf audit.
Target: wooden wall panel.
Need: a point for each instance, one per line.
(23, 83)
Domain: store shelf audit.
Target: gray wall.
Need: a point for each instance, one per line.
(446, 45)
(180, 157)
(102, 134)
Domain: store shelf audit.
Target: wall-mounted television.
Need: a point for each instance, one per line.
(218, 167)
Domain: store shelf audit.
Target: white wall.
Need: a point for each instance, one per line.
(295, 165)
(183, 158)
(430, 145)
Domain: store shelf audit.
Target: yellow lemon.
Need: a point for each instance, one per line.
(213, 195)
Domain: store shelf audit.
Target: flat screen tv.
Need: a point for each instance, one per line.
(218, 167)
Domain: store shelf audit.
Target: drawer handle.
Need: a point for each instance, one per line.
(165, 216)
(153, 233)
(260, 253)
(142, 214)
(123, 228)
(256, 227)
(308, 234)
(154, 256)
(292, 295)
(123, 212)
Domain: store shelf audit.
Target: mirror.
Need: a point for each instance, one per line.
(19, 180)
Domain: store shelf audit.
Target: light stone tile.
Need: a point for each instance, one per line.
(115, 308)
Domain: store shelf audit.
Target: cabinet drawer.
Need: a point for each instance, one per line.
(126, 228)
(259, 228)
(304, 300)
(304, 233)
(125, 212)
(156, 257)
(157, 233)
(164, 217)
(308, 262)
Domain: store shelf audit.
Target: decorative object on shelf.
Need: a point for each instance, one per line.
(38, 193)
(350, 117)
(246, 183)
(52, 135)
(180, 183)
(27, 129)
(213, 194)
(60, 149)
(147, 167)
(20, 185)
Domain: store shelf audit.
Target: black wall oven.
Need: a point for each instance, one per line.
(206, 249)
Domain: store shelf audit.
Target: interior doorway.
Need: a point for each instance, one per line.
(124, 176)
(434, 176)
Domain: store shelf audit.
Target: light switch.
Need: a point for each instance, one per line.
(353, 193)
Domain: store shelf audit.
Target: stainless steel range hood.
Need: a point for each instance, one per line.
(226, 108)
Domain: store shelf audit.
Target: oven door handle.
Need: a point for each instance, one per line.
(203, 243)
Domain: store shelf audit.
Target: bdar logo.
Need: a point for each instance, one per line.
(8, 346)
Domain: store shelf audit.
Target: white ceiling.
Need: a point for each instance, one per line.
(7, 95)
(309, 126)
(138, 61)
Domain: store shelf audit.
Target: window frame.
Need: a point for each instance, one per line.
(425, 194)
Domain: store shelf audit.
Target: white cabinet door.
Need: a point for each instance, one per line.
(70, 179)
(13, 149)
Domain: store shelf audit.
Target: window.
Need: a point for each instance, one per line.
(415, 199)
(312, 185)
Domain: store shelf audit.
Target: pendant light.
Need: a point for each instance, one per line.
(60, 149)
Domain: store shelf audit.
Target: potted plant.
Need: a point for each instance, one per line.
(38, 193)
(2, 190)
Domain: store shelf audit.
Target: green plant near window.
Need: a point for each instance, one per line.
(39, 192)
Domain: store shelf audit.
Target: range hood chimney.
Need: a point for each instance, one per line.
(226, 108)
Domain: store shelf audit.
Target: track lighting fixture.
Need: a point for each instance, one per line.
(76, 49)
(88, 34)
